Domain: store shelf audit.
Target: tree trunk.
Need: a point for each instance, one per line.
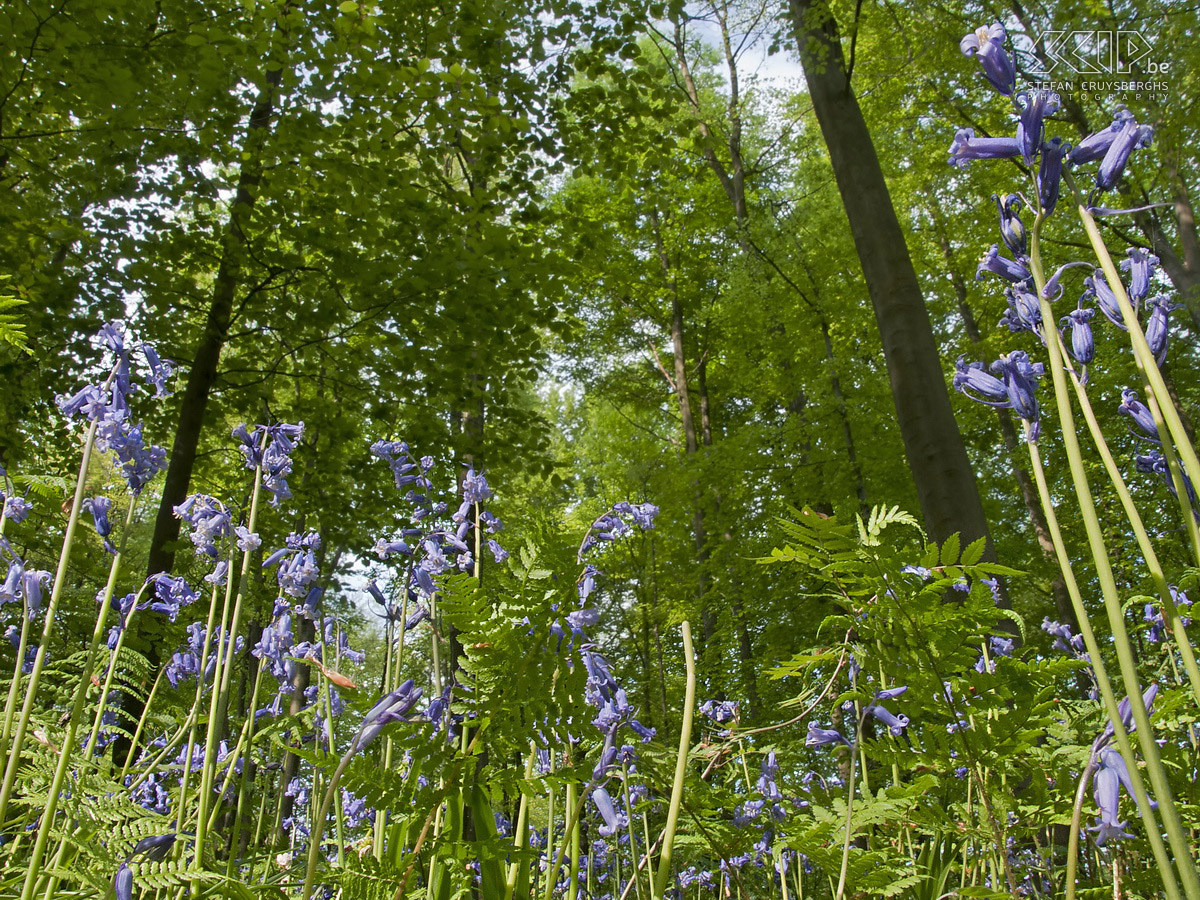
(945, 482)
(203, 373)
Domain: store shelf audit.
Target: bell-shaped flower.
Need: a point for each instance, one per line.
(123, 882)
(1012, 229)
(820, 737)
(613, 821)
(1008, 269)
(1035, 106)
(986, 44)
(1130, 137)
(393, 707)
(1140, 265)
(1158, 329)
(1140, 415)
(1024, 312)
(1083, 345)
(1097, 286)
(895, 723)
(1094, 146)
(1050, 173)
(966, 147)
(99, 508)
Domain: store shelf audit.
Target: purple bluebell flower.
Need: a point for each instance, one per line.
(475, 487)
(1035, 106)
(499, 554)
(155, 847)
(1097, 286)
(1049, 175)
(1095, 146)
(1130, 137)
(1020, 380)
(1052, 290)
(210, 522)
(393, 707)
(171, 595)
(1012, 229)
(297, 563)
(986, 44)
(1140, 265)
(270, 446)
(99, 508)
(16, 509)
(720, 711)
(966, 147)
(123, 882)
(1083, 345)
(1140, 415)
(1154, 463)
(1008, 269)
(1158, 330)
(895, 723)
(1125, 711)
(161, 370)
(613, 822)
(247, 540)
(974, 381)
(819, 737)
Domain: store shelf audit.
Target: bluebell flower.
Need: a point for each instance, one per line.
(1106, 788)
(1140, 415)
(1154, 463)
(613, 822)
(1083, 345)
(975, 381)
(210, 522)
(475, 487)
(1010, 270)
(1052, 289)
(895, 723)
(123, 882)
(1131, 136)
(1020, 380)
(819, 737)
(1035, 106)
(393, 707)
(1158, 331)
(1012, 229)
(16, 509)
(986, 44)
(1095, 146)
(170, 595)
(247, 540)
(499, 554)
(99, 508)
(270, 447)
(720, 711)
(1140, 265)
(155, 847)
(161, 370)
(966, 147)
(1049, 175)
(1097, 286)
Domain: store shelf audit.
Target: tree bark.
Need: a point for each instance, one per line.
(937, 458)
(206, 360)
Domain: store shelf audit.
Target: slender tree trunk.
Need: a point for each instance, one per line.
(945, 482)
(206, 360)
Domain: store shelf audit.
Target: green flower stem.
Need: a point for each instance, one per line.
(1143, 539)
(14, 687)
(35, 870)
(1149, 823)
(1077, 825)
(1176, 835)
(1146, 362)
(39, 662)
(110, 675)
(572, 811)
(222, 674)
(575, 802)
(637, 882)
(242, 793)
(848, 839)
(1186, 513)
(685, 743)
(318, 822)
(521, 830)
(141, 725)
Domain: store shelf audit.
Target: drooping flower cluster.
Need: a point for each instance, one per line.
(107, 404)
(270, 447)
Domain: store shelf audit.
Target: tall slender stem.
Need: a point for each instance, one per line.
(685, 744)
